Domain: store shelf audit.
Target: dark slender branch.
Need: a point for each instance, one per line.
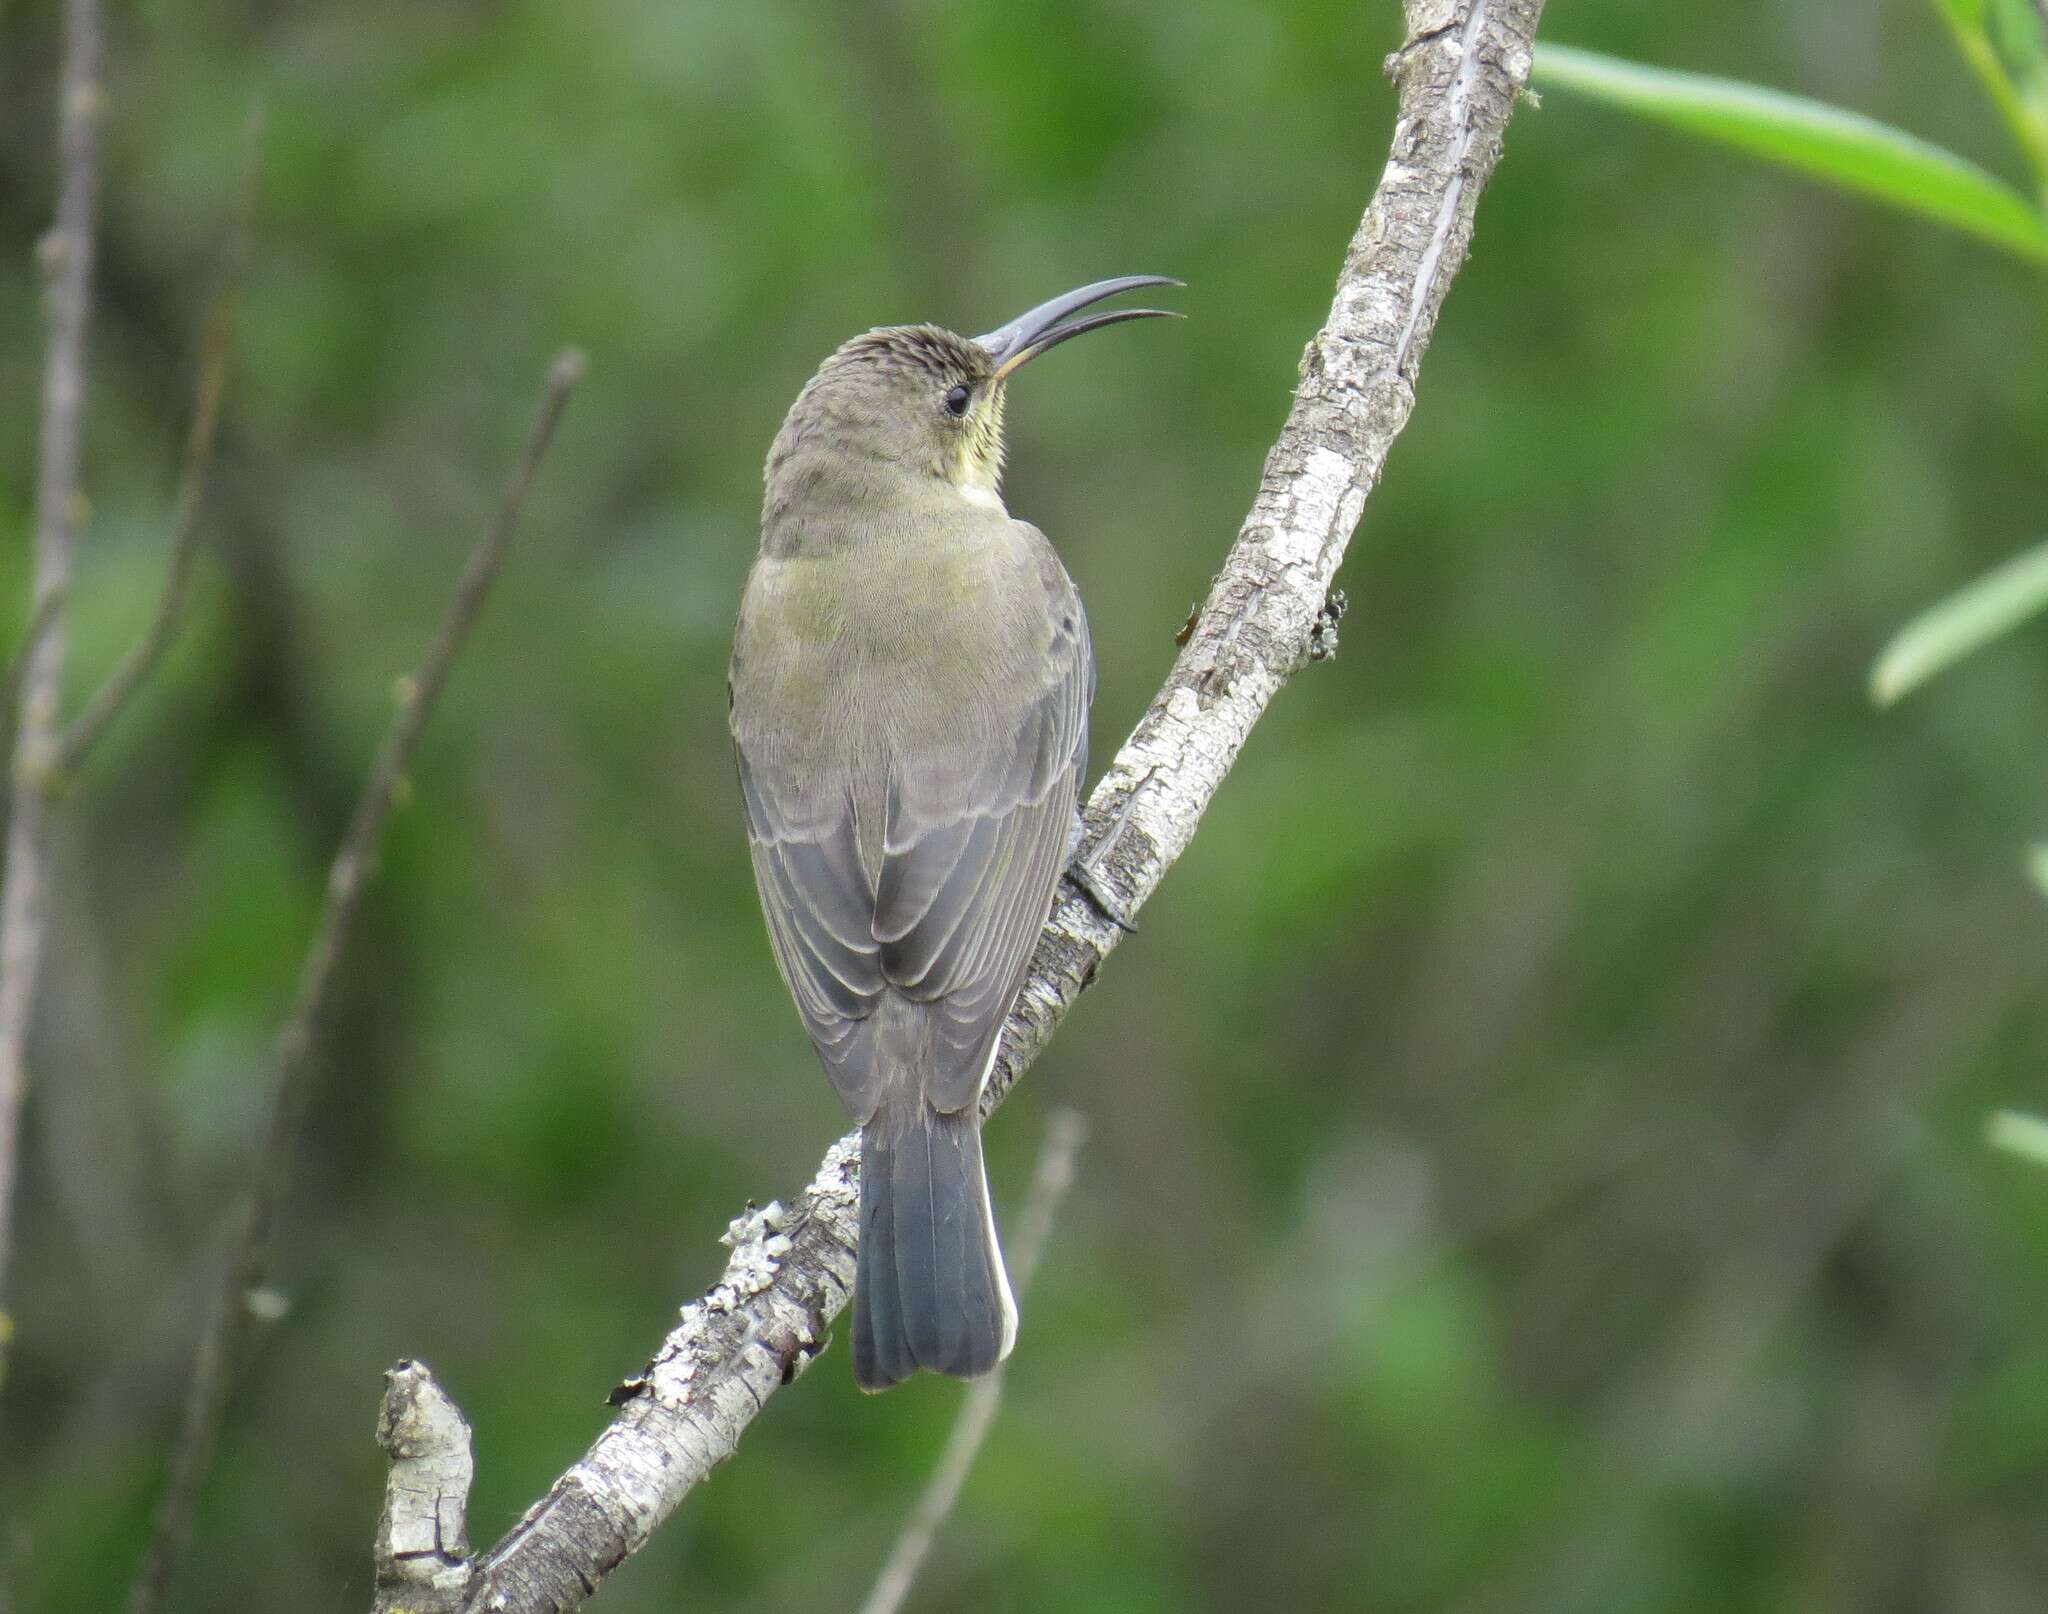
(241, 1290)
(1459, 72)
(1064, 1135)
(216, 349)
(67, 255)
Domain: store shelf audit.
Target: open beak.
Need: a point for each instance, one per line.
(1040, 330)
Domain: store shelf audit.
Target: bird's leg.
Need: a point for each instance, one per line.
(1081, 871)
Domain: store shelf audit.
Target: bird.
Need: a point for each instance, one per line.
(908, 695)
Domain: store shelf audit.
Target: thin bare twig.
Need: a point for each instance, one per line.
(40, 616)
(791, 1268)
(216, 349)
(241, 1287)
(1064, 1135)
(67, 254)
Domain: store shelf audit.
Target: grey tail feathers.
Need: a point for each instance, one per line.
(929, 1289)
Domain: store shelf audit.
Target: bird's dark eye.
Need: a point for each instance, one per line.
(956, 401)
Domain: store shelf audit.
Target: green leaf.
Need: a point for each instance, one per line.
(2017, 26)
(2023, 1135)
(2020, 31)
(1971, 617)
(1844, 148)
(2003, 44)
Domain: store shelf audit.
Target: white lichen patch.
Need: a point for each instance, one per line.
(670, 1382)
(835, 1191)
(752, 1223)
(752, 1267)
(1318, 502)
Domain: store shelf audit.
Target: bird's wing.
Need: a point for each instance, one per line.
(820, 906)
(973, 842)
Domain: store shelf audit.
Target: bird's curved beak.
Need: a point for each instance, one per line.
(1039, 330)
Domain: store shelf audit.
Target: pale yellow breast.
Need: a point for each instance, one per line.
(902, 641)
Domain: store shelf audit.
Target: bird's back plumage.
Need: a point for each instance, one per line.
(910, 716)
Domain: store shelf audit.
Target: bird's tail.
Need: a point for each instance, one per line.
(929, 1289)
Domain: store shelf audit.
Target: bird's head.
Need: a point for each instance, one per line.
(918, 402)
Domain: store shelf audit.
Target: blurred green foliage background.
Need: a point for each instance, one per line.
(1536, 1159)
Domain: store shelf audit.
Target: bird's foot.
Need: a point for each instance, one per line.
(1081, 873)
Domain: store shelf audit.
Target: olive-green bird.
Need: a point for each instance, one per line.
(910, 685)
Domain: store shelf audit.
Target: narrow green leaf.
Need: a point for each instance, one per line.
(2020, 30)
(2037, 866)
(2022, 38)
(1971, 617)
(2023, 1135)
(2001, 41)
(1845, 148)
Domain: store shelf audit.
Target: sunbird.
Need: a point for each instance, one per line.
(909, 694)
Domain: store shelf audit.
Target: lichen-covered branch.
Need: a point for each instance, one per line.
(1270, 612)
(67, 256)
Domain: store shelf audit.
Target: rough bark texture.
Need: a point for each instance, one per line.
(422, 1544)
(1269, 613)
